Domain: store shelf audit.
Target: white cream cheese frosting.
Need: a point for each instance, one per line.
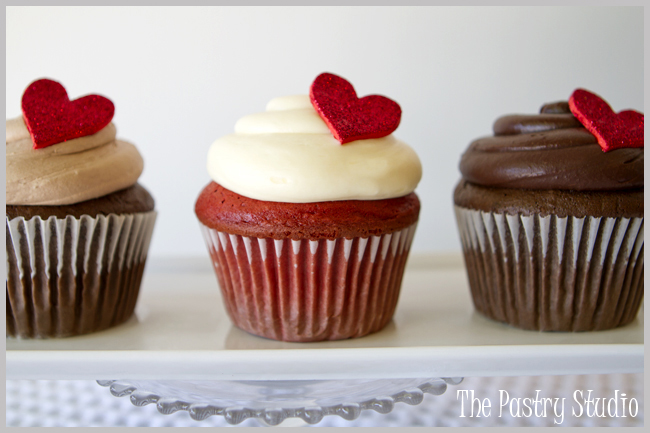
(288, 154)
(70, 172)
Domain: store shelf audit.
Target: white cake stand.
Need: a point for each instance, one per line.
(181, 352)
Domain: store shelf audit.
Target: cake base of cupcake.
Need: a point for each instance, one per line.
(74, 276)
(309, 290)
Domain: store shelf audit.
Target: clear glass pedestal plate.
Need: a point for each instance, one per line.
(273, 402)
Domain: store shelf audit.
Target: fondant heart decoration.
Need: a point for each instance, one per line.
(52, 118)
(612, 130)
(348, 117)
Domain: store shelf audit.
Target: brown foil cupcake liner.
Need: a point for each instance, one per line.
(553, 273)
(309, 290)
(74, 276)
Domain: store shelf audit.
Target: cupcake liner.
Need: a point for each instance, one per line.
(73, 276)
(553, 273)
(309, 290)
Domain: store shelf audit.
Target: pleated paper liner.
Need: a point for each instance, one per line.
(309, 290)
(553, 273)
(74, 276)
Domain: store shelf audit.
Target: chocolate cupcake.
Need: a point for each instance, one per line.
(551, 218)
(308, 236)
(78, 223)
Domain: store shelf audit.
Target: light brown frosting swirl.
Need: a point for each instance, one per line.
(70, 172)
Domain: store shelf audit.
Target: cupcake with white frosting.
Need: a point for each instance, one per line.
(308, 236)
(78, 223)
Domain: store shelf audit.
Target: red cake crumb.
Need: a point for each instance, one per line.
(224, 210)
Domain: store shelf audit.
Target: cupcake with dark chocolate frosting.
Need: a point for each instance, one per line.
(550, 213)
(78, 223)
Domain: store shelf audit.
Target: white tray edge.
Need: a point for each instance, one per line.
(311, 364)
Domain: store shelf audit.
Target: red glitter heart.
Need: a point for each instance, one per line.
(612, 130)
(348, 117)
(52, 118)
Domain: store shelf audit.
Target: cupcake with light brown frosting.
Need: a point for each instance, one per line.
(551, 225)
(78, 227)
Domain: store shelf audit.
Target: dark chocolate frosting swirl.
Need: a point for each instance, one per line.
(551, 150)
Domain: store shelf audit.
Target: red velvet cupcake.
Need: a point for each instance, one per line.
(308, 236)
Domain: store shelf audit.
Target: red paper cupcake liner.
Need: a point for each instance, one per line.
(309, 290)
(553, 273)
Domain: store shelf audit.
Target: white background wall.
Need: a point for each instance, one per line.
(181, 77)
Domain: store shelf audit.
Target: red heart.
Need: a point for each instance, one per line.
(52, 118)
(348, 117)
(612, 130)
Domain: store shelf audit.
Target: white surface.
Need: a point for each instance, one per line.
(80, 403)
(181, 77)
(182, 332)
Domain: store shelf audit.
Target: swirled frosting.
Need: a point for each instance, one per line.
(70, 172)
(551, 150)
(287, 154)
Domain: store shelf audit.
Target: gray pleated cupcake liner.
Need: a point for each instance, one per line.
(74, 276)
(553, 273)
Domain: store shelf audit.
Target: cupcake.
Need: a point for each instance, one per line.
(78, 223)
(310, 214)
(550, 214)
